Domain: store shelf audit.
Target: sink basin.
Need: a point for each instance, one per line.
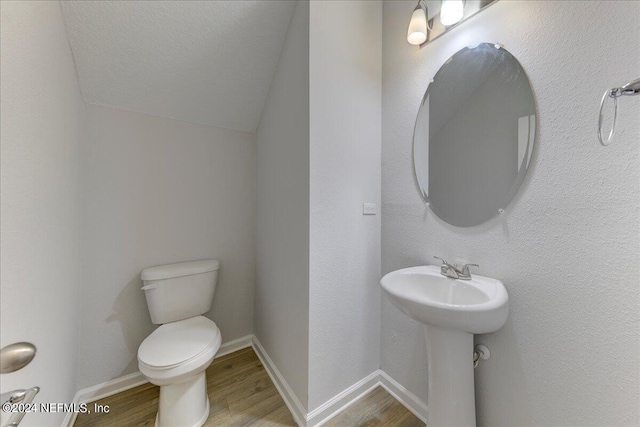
(476, 306)
(451, 310)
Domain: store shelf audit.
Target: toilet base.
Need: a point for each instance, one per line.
(199, 423)
(185, 404)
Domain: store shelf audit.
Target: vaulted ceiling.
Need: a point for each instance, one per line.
(207, 62)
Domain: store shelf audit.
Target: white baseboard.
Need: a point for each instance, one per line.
(109, 388)
(70, 417)
(289, 397)
(404, 396)
(105, 389)
(343, 400)
(135, 379)
(235, 345)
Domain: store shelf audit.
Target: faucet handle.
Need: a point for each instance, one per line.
(447, 269)
(446, 264)
(465, 269)
(444, 261)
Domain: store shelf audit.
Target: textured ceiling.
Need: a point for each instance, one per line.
(208, 62)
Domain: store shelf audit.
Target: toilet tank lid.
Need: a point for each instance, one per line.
(180, 269)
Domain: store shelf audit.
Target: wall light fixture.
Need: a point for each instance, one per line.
(451, 13)
(417, 32)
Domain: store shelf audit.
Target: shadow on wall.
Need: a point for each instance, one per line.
(130, 309)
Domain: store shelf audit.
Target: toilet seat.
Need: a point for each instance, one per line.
(178, 350)
(175, 343)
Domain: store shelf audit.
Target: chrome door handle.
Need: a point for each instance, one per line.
(15, 396)
(18, 398)
(16, 356)
(12, 358)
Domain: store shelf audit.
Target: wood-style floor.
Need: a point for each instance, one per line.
(378, 408)
(242, 394)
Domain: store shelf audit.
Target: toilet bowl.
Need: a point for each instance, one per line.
(176, 355)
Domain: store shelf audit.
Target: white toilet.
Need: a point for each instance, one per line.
(176, 355)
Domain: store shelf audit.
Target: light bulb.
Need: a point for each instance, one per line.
(451, 11)
(417, 33)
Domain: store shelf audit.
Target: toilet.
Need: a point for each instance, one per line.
(176, 355)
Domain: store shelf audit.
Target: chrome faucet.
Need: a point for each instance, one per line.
(452, 271)
(448, 270)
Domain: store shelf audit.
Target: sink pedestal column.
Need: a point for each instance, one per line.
(451, 399)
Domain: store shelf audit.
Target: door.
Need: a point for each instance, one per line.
(40, 108)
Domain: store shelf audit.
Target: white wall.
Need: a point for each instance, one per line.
(568, 247)
(282, 231)
(345, 114)
(158, 191)
(40, 206)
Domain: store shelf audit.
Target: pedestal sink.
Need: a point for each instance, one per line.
(451, 310)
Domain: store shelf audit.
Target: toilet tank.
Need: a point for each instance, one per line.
(180, 291)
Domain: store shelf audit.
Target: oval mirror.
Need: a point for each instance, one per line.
(474, 135)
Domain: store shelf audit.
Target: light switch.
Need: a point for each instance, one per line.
(369, 209)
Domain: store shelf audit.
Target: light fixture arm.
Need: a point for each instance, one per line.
(423, 5)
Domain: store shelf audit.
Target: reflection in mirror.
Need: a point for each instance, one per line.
(474, 135)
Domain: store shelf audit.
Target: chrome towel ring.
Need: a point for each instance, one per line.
(630, 89)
